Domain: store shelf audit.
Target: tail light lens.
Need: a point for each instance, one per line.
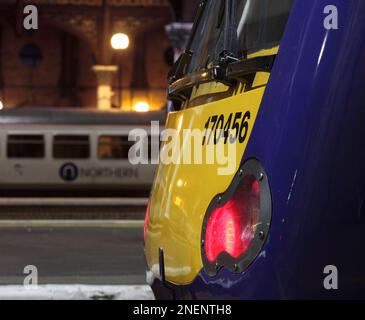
(231, 228)
(237, 222)
(146, 220)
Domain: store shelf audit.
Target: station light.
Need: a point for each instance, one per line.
(141, 106)
(119, 41)
(1, 105)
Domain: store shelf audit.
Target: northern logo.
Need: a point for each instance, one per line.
(69, 172)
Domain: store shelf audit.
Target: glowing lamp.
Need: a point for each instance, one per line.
(119, 41)
(142, 106)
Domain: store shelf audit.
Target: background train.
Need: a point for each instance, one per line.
(72, 151)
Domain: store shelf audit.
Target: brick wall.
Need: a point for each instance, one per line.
(24, 86)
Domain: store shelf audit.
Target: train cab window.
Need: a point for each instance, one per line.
(25, 146)
(114, 147)
(255, 25)
(261, 24)
(230, 42)
(71, 147)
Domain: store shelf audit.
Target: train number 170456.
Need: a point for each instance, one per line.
(234, 127)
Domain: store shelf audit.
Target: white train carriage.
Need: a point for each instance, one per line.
(50, 149)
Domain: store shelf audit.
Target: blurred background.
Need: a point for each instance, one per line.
(71, 204)
(71, 56)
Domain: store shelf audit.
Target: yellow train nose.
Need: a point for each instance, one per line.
(182, 191)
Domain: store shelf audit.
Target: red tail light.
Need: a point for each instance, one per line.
(237, 222)
(231, 228)
(146, 220)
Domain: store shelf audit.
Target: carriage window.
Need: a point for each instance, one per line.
(25, 146)
(71, 147)
(114, 147)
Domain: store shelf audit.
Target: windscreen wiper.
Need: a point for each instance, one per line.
(230, 41)
(229, 74)
(239, 70)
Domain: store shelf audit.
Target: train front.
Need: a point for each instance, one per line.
(241, 198)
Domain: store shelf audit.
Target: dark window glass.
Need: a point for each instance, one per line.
(30, 55)
(71, 147)
(257, 24)
(25, 146)
(264, 25)
(114, 147)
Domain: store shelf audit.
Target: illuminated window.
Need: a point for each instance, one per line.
(114, 147)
